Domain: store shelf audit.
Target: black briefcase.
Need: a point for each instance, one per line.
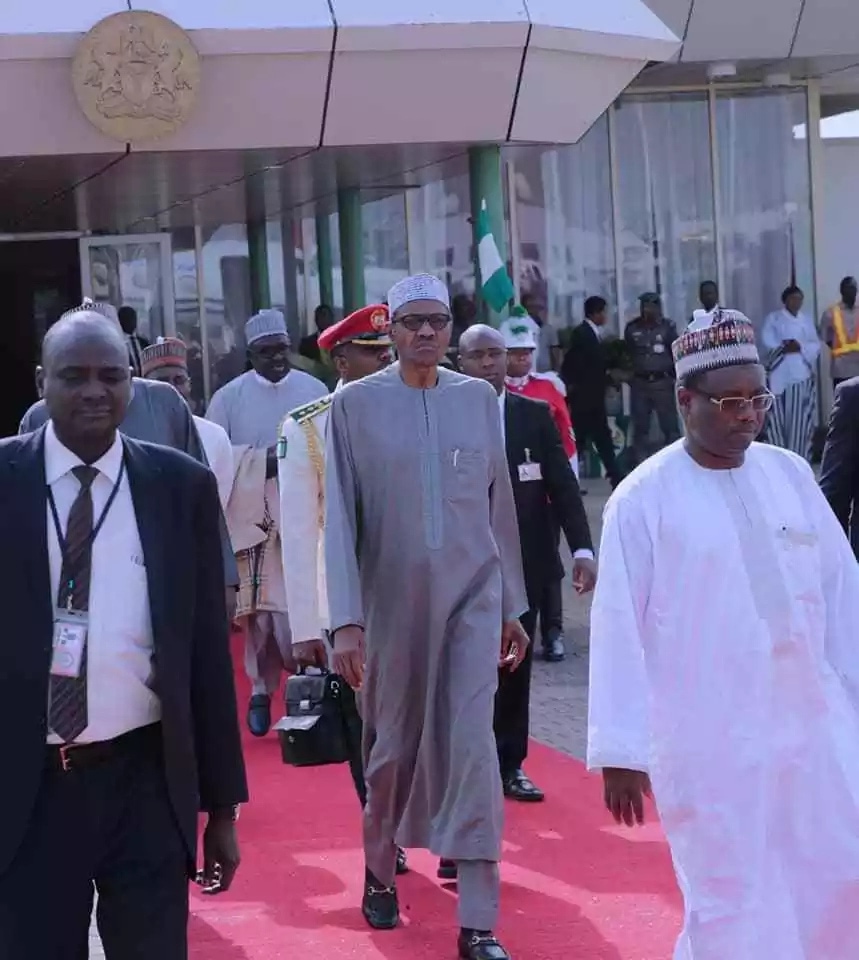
(312, 734)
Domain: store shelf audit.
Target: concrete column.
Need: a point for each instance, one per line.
(324, 260)
(351, 250)
(486, 184)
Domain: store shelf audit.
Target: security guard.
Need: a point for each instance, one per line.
(648, 338)
(358, 345)
(840, 328)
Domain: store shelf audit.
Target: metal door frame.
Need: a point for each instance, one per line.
(166, 255)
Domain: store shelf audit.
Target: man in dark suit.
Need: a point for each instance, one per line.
(585, 375)
(157, 414)
(545, 490)
(839, 470)
(116, 683)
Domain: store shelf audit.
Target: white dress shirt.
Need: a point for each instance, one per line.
(119, 640)
(579, 554)
(219, 453)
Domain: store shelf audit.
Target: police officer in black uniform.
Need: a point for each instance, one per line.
(649, 338)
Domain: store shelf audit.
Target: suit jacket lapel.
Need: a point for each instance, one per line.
(513, 431)
(154, 522)
(31, 516)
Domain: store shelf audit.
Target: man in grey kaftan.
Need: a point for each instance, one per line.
(422, 552)
(250, 409)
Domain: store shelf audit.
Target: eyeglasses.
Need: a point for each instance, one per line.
(734, 405)
(415, 321)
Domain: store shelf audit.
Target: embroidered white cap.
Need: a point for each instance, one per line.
(421, 286)
(266, 323)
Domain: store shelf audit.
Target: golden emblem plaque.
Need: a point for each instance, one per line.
(136, 76)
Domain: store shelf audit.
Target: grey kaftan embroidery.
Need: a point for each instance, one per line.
(422, 549)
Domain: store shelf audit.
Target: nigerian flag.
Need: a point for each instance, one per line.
(497, 287)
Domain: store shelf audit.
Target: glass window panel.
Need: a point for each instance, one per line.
(188, 310)
(439, 232)
(665, 201)
(386, 246)
(227, 279)
(564, 221)
(764, 186)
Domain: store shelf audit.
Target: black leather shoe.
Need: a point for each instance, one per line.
(553, 647)
(402, 863)
(518, 787)
(259, 714)
(446, 869)
(380, 906)
(480, 945)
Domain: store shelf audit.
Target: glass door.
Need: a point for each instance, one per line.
(135, 270)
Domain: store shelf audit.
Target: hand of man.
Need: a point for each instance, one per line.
(220, 853)
(271, 463)
(624, 792)
(349, 655)
(514, 645)
(310, 653)
(232, 603)
(584, 574)
(791, 346)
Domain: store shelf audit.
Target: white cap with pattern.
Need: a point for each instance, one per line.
(266, 323)
(421, 286)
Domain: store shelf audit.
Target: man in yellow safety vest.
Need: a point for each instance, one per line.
(839, 327)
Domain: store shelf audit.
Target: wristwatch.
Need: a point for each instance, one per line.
(231, 811)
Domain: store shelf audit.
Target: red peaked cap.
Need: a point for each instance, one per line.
(370, 326)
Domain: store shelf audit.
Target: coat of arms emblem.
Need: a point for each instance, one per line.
(136, 76)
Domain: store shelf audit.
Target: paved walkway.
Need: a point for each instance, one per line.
(559, 705)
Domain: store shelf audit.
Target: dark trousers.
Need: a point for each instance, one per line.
(353, 730)
(108, 825)
(552, 602)
(590, 425)
(512, 706)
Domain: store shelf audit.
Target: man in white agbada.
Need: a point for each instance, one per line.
(725, 671)
(251, 408)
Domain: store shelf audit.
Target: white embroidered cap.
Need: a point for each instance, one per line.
(421, 286)
(518, 335)
(266, 323)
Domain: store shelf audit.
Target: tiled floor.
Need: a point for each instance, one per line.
(559, 691)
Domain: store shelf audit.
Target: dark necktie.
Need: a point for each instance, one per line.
(68, 700)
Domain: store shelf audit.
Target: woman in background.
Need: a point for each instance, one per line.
(791, 349)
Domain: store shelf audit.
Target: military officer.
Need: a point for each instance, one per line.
(649, 338)
(358, 345)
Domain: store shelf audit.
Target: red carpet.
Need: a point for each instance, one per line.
(574, 886)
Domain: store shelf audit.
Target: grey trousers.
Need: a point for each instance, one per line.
(478, 882)
(268, 649)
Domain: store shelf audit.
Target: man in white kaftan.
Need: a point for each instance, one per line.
(725, 667)
(423, 566)
(251, 408)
